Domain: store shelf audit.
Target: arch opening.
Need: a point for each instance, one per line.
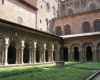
(76, 54)
(89, 53)
(86, 27)
(58, 31)
(12, 53)
(46, 56)
(67, 30)
(53, 55)
(65, 54)
(26, 54)
(97, 26)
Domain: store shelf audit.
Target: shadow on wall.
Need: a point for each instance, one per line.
(23, 5)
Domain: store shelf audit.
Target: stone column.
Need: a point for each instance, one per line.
(17, 55)
(94, 54)
(85, 55)
(72, 54)
(99, 53)
(6, 51)
(51, 56)
(22, 51)
(0, 56)
(34, 52)
(30, 51)
(69, 54)
(57, 54)
(44, 55)
(34, 55)
(80, 54)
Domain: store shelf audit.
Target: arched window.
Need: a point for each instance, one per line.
(86, 27)
(53, 11)
(97, 26)
(67, 30)
(47, 7)
(58, 13)
(1, 1)
(70, 12)
(19, 20)
(92, 7)
(46, 24)
(58, 31)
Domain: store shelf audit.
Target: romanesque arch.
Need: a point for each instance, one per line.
(86, 27)
(76, 55)
(27, 50)
(88, 51)
(92, 6)
(70, 11)
(2, 42)
(96, 25)
(13, 50)
(67, 30)
(58, 31)
(39, 51)
(48, 52)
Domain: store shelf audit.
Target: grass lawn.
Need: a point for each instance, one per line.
(71, 71)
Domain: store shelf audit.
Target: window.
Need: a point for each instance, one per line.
(86, 27)
(47, 7)
(1, 1)
(67, 30)
(92, 7)
(70, 12)
(19, 20)
(46, 24)
(58, 31)
(58, 13)
(97, 26)
(53, 11)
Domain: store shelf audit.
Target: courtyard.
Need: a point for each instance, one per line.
(71, 71)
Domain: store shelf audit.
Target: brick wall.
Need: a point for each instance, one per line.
(12, 9)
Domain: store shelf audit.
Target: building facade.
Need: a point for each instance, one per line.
(44, 31)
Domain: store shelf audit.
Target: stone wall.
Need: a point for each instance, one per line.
(12, 9)
(76, 21)
(44, 14)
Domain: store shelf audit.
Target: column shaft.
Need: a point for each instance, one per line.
(6, 55)
(34, 54)
(17, 55)
(22, 54)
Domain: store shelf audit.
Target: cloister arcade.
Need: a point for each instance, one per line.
(82, 52)
(16, 51)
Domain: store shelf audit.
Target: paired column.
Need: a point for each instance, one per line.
(69, 54)
(57, 54)
(44, 51)
(99, 54)
(17, 55)
(34, 55)
(80, 54)
(6, 50)
(94, 54)
(72, 54)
